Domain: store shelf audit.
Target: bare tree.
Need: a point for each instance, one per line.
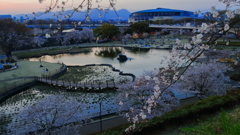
(12, 35)
(67, 8)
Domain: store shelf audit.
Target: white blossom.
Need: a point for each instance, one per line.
(188, 24)
(147, 77)
(226, 27)
(215, 14)
(230, 14)
(178, 41)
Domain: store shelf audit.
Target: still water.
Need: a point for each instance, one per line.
(138, 59)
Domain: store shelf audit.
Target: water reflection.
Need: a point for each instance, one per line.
(138, 50)
(108, 52)
(139, 59)
(32, 95)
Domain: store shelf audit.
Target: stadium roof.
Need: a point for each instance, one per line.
(160, 10)
(5, 16)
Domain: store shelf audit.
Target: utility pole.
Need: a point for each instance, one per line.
(100, 104)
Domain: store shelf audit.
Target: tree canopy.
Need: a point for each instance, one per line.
(11, 35)
(140, 27)
(106, 31)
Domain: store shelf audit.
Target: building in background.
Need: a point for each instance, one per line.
(5, 16)
(21, 19)
(159, 14)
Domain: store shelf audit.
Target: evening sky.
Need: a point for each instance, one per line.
(28, 6)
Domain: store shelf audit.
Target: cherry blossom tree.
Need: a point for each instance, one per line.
(214, 54)
(204, 80)
(151, 95)
(87, 34)
(54, 113)
(76, 36)
(59, 38)
(67, 8)
(38, 41)
(144, 99)
(147, 97)
(37, 31)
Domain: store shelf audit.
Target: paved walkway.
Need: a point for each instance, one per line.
(115, 120)
(26, 77)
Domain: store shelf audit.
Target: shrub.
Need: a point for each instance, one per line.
(235, 77)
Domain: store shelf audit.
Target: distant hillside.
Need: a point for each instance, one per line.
(94, 14)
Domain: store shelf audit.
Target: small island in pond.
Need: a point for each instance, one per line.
(122, 57)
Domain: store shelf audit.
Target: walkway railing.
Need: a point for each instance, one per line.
(55, 73)
(79, 85)
(20, 83)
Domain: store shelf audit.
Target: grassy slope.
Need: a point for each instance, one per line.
(226, 122)
(26, 68)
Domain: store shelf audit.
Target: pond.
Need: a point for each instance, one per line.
(34, 94)
(138, 59)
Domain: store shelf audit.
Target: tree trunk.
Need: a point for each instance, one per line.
(7, 52)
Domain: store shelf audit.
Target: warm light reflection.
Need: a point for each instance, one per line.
(140, 59)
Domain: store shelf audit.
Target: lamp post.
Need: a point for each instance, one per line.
(100, 104)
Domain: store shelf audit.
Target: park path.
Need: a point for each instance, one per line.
(116, 120)
(16, 78)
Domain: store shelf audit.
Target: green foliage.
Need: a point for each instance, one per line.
(8, 26)
(165, 21)
(106, 31)
(230, 43)
(128, 31)
(235, 77)
(140, 27)
(108, 52)
(41, 52)
(223, 124)
(10, 34)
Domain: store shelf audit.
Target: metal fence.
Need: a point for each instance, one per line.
(54, 73)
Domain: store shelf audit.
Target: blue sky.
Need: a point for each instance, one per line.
(28, 6)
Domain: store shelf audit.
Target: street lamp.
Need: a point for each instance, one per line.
(100, 104)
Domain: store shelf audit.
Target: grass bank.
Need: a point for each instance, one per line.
(25, 69)
(225, 123)
(49, 51)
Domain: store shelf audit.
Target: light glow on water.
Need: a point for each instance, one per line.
(139, 59)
